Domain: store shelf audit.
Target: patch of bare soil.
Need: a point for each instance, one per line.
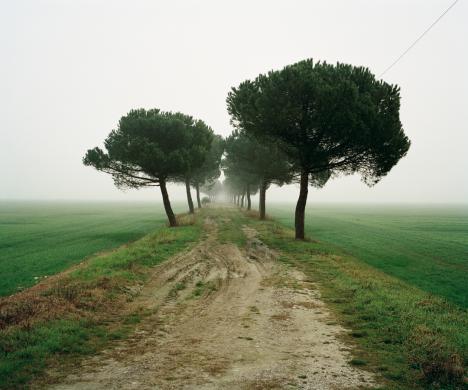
(224, 318)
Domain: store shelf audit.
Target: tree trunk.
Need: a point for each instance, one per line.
(300, 207)
(197, 187)
(167, 204)
(189, 196)
(249, 202)
(263, 188)
(242, 200)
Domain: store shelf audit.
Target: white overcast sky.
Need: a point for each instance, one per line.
(70, 69)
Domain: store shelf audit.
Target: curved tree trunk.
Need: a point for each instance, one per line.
(300, 206)
(242, 200)
(167, 204)
(263, 188)
(189, 196)
(197, 188)
(249, 201)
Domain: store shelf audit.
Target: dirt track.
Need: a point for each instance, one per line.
(225, 318)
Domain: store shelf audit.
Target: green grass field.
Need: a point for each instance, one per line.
(43, 238)
(414, 340)
(426, 246)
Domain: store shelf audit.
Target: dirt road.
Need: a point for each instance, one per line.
(225, 318)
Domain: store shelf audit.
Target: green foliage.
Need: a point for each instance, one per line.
(236, 165)
(233, 183)
(212, 189)
(328, 119)
(151, 145)
(196, 146)
(335, 118)
(251, 162)
(209, 171)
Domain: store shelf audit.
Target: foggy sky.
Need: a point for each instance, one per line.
(70, 69)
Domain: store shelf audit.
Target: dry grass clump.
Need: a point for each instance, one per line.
(309, 304)
(31, 306)
(256, 214)
(25, 313)
(252, 214)
(436, 362)
(281, 316)
(64, 298)
(186, 219)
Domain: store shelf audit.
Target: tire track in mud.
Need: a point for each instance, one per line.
(225, 318)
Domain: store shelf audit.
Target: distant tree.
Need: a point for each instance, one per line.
(147, 149)
(233, 186)
(259, 163)
(274, 168)
(240, 151)
(196, 149)
(328, 119)
(210, 169)
(212, 189)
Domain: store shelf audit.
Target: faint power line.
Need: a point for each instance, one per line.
(418, 39)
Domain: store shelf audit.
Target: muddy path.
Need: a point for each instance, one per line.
(225, 318)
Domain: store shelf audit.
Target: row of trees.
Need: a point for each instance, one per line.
(251, 166)
(152, 147)
(311, 121)
(305, 123)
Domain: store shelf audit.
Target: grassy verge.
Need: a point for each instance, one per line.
(423, 245)
(411, 338)
(79, 312)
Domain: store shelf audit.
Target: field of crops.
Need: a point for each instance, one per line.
(43, 238)
(426, 246)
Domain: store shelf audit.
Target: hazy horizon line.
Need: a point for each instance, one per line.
(177, 201)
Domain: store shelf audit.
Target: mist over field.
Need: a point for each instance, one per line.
(71, 69)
